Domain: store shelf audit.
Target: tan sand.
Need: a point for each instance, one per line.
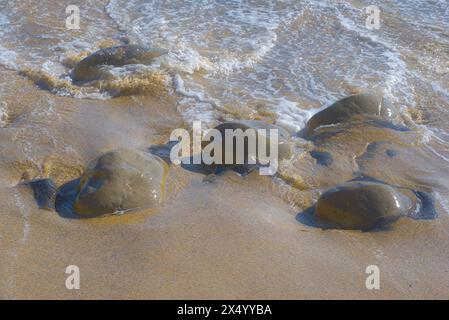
(228, 237)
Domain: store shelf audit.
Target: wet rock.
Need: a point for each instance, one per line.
(121, 180)
(360, 106)
(364, 205)
(89, 68)
(284, 148)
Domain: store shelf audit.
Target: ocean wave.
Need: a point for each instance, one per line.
(295, 57)
(195, 106)
(396, 77)
(250, 32)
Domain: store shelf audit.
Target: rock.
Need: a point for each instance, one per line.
(89, 69)
(364, 105)
(284, 148)
(120, 181)
(364, 205)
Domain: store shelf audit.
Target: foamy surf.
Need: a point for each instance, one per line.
(278, 62)
(291, 116)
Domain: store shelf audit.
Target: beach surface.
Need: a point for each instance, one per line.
(222, 236)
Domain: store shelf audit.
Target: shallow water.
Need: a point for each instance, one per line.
(278, 61)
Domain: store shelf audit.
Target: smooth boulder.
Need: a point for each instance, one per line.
(283, 146)
(362, 106)
(363, 205)
(89, 68)
(120, 181)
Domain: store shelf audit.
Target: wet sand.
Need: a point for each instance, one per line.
(225, 237)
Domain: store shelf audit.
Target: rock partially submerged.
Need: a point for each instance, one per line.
(118, 181)
(365, 205)
(121, 180)
(89, 68)
(362, 106)
(283, 146)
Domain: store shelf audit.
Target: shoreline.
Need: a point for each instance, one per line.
(229, 237)
(224, 236)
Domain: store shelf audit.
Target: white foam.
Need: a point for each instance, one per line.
(251, 32)
(186, 60)
(290, 116)
(197, 106)
(8, 59)
(396, 77)
(197, 95)
(113, 11)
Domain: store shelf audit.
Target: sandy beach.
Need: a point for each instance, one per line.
(229, 238)
(250, 248)
(220, 236)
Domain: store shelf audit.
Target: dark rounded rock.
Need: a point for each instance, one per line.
(88, 69)
(363, 205)
(284, 148)
(365, 106)
(121, 180)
